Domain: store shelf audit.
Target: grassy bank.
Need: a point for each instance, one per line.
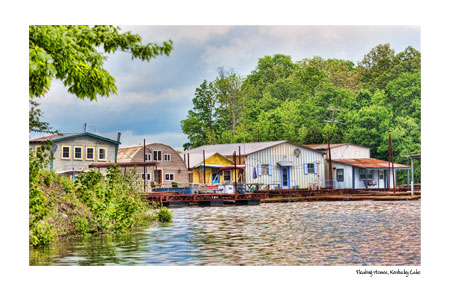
(61, 208)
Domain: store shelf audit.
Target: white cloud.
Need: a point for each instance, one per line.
(58, 96)
(175, 140)
(179, 34)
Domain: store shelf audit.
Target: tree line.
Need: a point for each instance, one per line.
(304, 101)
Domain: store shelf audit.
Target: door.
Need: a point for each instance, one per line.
(285, 178)
(215, 177)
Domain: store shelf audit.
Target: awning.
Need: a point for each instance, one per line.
(286, 164)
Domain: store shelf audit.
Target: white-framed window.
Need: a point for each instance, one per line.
(65, 152)
(77, 152)
(340, 175)
(157, 155)
(90, 153)
(227, 175)
(310, 168)
(167, 157)
(149, 176)
(170, 177)
(148, 157)
(101, 153)
(381, 174)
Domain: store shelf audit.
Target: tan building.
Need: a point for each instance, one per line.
(170, 171)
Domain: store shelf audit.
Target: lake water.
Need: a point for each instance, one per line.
(308, 233)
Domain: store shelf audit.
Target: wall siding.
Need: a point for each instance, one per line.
(77, 165)
(284, 152)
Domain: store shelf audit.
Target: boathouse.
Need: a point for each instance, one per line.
(352, 167)
(72, 153)
(169, 169)
(273, 164)
(212, 168)
(364, 173)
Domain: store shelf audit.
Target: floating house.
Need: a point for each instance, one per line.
(213, 168)
(169, 169)
(352, 167)
(270, 165)
(72, 153)
(364, 173)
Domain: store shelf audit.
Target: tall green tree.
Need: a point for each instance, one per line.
(200, 125)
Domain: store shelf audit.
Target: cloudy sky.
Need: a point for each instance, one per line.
(153, 97)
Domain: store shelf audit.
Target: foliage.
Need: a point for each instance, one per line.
(304, 101)
(73, 55)
(94, 203)
(164, 215)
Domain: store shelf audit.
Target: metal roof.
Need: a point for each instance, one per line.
(246, 148)
(60, 137)
(368, 163)
(334, 145)
(196, 159)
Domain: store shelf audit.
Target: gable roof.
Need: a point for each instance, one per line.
(196, 159)
(334, 145)
(246, 148)
(65, 136)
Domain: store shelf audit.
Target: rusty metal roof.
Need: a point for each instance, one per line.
(368, 163)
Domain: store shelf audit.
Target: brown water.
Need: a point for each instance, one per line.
(315, 233)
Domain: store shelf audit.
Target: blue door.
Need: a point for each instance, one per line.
(285, 177)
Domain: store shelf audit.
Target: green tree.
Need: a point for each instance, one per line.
(200, 122)
(73, 55)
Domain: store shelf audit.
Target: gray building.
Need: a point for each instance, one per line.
(74, 152)
(273, 164)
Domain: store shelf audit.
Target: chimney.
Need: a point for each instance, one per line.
(85, 127)
(118, 136)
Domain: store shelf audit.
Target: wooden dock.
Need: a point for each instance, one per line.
(179, 199)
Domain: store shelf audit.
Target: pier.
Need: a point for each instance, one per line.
(180, 198)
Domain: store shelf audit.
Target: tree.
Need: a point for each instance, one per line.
(72, 54)
(228, 87)
(200, 122)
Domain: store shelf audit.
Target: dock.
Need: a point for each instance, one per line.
(181, 199)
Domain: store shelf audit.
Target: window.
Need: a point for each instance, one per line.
(167, 157)
(381, 174)
(265, 169)
(227, 175)
(65, 152)
(157, 155)
(38, 149)
(78, 152)
(149, 176)
(340, 175)
(362, 174)
(90, 153)
(169, 177)
(369, 174)
(310, 168)
(101, 155)
(148, 157)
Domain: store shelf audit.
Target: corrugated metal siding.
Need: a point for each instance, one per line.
(284, 152)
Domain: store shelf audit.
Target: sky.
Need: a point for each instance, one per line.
(153, 97)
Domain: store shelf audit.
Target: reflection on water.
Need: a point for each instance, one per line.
(316, 233)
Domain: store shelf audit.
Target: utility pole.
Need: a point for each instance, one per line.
(330, 167)
(145, 170)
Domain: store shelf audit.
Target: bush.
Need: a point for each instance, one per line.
(164, 215)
